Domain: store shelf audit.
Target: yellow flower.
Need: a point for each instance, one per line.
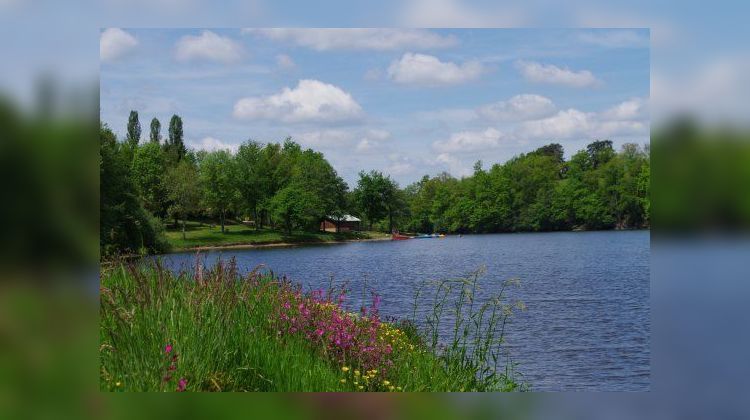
(343, 381)
(361, 387)
(390, 388)
(118, 383)
(374, 371)
(345, 369)
(356, 372)
(386, 383)
(398, 388)
(356, 383)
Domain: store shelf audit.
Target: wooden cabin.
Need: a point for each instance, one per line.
(345, 223)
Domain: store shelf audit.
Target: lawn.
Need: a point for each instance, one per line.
(197, 235)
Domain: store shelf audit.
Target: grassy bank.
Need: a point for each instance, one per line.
(204, 235)
(216, 330)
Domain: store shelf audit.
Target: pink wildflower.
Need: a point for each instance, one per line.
(181, 385)
(168, 349)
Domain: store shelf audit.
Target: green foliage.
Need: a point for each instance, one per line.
(296, 207)
(125, 225)
(147, 170)
(218, 177)
(378, 196)
(155, 130)
(183, 191)
(175, 146)
(134, 130)
(539, 191)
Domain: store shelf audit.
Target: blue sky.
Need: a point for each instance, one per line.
(407, 102)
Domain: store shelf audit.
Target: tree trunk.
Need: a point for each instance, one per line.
(183, 228)
(255, 217)
(222, 221)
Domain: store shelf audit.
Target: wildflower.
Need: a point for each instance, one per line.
(391, 388)
(168, 349)
(181, 385)
(356, 372)
(118, 384)
(345, 369)
(398, 388)
(386, 383)
(343, 380)
(360, 387)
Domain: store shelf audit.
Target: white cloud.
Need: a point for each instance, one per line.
(372, 140)
(208, 46)
(470, 141)
(518, 108)
(628, 110)
(548, 73)
(454, 165)
(311, 100)
(625, 119)
(381, 39)
(427, 70)
(115, 43)
(211, 144)
(620, 38)
(284, 62)
(399, 168)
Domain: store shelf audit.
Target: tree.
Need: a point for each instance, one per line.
(248, 180)
(295, 207)
(175, 145)
(134, 130)
(147, 170)
(124, 225)
(600, 152)
(217, 176)
(369, 196)
(183, 191)
(155, 131)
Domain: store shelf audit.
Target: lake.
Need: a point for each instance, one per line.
(586, 326)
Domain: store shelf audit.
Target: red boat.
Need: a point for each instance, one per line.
(395, 236)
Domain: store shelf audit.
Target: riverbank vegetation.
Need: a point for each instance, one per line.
(147, 187)
(198, 235)
(215, 329)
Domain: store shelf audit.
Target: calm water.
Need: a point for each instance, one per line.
(587, 322)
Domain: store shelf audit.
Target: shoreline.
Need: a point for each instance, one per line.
(271, 245)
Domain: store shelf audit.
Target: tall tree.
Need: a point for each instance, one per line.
(155, 130)
(183, 191)
(176, 146)
(370, 195)
(217, 175)
(248, 180)
(147, 171)
(134, 130)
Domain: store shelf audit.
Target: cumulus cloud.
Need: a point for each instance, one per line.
(470, 141)
(115, 43)
(380, 39)
(427, 70)
(551, 74)
(631, 109)
(284, 62)
(518, 108)
(453, 164)
(309, 101)
(625, 119)
(208, 46)
(211, 144)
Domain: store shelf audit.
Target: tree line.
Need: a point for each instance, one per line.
(144, 185)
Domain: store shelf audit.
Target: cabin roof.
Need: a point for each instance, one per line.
(344, 218)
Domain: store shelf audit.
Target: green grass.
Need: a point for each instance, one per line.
(225, 330)
(197, 235)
